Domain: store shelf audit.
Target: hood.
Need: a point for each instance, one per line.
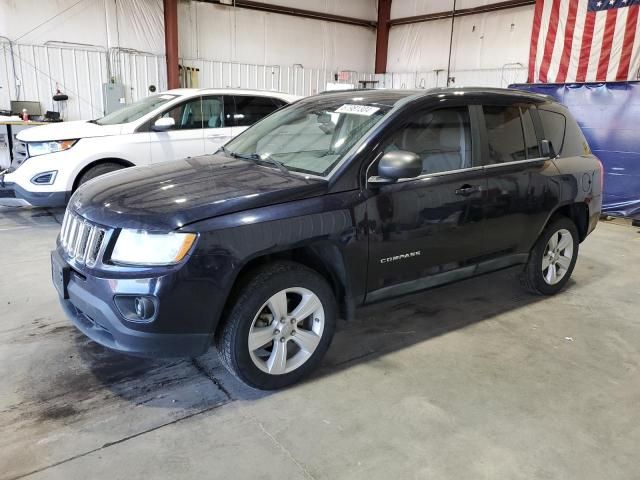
(170, 195)
(67, 131)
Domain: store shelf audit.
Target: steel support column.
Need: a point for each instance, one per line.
(382, 37)
(171, 42)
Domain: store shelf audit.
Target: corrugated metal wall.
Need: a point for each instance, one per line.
(138, 71)
(491, 77)
(80, 73)
(40, 70)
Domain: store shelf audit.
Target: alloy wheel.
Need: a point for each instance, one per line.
(286, 331)
(557, 257)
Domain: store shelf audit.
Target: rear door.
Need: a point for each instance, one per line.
(250, 108)
(521, 187)
(185, 139)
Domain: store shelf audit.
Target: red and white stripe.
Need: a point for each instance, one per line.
(570, 44)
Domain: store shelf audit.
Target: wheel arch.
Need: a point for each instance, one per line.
(324, 258)
(577, 212)
(90, 165)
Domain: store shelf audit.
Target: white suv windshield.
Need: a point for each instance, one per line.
(135, 110)
(310, 136)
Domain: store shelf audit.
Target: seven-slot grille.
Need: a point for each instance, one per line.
(80, 239)
(20, 153)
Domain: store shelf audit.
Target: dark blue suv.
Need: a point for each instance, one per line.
(335, 201)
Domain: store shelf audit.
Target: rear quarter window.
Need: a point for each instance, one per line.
(574, 142)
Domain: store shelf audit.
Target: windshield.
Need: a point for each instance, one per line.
(310, 136)
(135, 110)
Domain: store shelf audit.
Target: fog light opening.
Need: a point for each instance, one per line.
(137, 308)
(144, 308)
(45, 178)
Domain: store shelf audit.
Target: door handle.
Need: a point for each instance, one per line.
(466, 190)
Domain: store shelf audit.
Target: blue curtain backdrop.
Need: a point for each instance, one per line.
(609, 115)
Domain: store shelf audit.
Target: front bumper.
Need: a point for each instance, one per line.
(13, 195)
(89, 304)
(595, 210)
(16, 188)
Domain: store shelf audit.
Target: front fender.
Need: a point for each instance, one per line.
(331, 238)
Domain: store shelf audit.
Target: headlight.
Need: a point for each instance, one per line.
(138, 247)
(40, 148)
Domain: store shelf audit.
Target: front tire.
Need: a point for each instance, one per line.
(97, 170)
(279, 327)
(552, 258)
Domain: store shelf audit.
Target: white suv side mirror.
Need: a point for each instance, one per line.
(163, 124)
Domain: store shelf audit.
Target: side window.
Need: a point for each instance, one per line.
(504, 133)
(554, 125)
(251, 109)
(442, 138)
(530, 138)
(278, 103)
(213, 112)
(187, 115)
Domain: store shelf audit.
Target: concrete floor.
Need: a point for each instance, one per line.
(474, 380)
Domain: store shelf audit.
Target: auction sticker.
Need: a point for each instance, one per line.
(357, 109)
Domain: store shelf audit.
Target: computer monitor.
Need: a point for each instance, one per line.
(33, 108)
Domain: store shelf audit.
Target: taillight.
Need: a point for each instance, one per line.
(601, 176)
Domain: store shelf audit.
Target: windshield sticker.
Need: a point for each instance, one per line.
(357, 109)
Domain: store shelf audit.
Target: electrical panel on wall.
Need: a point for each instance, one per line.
(114, 97)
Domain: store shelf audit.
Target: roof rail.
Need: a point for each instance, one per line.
(347, 90)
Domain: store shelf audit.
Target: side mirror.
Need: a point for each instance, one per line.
(163, 124)
(396, 165)
(546, 148)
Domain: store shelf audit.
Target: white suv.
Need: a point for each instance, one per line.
(51, 161)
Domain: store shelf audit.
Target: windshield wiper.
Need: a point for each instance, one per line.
(252, 156)
(256, 158)
(272, 161)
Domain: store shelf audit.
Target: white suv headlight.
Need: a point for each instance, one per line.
(139, 247)
(41, 148)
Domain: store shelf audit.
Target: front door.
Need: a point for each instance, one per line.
(218, 121)
(185, 139)
(424, 230)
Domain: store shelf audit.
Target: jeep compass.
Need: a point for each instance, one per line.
(336, 201)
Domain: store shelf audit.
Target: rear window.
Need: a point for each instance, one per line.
(504, 132)
(554, 125)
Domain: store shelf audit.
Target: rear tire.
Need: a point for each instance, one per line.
(279, 327)
(552, 258)
(97, 170)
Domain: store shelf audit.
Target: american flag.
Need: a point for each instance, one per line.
(584, 41)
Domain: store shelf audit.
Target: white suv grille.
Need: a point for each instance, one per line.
(20, 153)
(80, 239)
